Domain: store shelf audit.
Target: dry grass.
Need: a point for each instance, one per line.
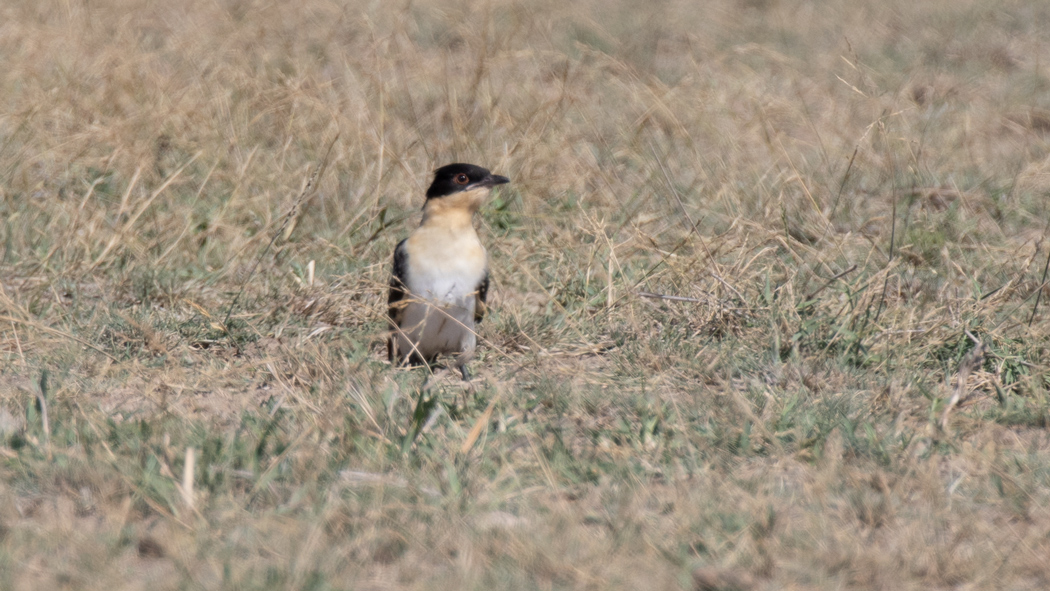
(841, 199)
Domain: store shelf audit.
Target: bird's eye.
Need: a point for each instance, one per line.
(462, 178)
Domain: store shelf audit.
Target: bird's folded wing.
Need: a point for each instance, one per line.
(398, 285)
(479, 295)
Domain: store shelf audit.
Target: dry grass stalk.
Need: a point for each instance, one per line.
(973, 360)
(188, 468)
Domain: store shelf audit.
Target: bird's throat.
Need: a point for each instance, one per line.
(455, 212)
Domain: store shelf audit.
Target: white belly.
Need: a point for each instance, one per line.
(431, 328)
(452, 281)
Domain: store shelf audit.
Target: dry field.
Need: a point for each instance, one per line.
(768, 306)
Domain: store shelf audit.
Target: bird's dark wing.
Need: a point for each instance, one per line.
(481, 293)
(398, 285)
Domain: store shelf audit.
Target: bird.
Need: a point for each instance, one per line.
(440, 273)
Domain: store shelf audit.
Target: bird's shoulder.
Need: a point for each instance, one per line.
(400, 268)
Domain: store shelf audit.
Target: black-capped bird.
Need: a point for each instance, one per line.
(441, 274)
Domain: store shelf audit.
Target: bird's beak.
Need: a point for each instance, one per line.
(495, 179)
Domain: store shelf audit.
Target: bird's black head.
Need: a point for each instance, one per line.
(453, 178)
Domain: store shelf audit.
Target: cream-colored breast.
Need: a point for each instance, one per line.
(445, 266)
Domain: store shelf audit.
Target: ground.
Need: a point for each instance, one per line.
(768, 306)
